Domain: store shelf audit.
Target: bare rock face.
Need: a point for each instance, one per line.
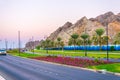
(118, 17)
(55, 34)
(106, 18)
(118, 14)
(32, 44)
(89, 26)
(66, 25)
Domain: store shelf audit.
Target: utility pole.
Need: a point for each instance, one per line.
(13, 45)
(0, 46)
(19, 42)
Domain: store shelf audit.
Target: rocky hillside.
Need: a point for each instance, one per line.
(88, 25)
(32, 44)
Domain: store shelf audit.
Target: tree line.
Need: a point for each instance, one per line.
(84, 39)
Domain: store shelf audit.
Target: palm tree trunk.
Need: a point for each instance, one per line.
(74, 44)
(85, 48)
(62, 48)
(100, 44)
(47, 50)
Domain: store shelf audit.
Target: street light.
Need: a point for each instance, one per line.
(107, 42)
(86, 43)
(19, 42)
(33, 44)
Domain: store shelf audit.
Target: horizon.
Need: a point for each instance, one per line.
(39, 18)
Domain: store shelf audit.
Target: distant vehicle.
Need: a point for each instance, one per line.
(2, 52)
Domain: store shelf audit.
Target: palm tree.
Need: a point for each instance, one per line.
(100, 32)
(74, 37)
(43, 45)
(70, 42)
(115, 43)
(89, 42)
(95, 40)
(85, 36)
(104, 40)
(59, 41)
(117, 38)
(79, 42)
(47, 43)
(62, 45)
(52, 44)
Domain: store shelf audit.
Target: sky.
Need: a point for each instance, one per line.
(39, 18)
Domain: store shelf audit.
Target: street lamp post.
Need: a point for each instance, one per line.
(33, 44)
(107, 42)
(19, 42)
(86, 41)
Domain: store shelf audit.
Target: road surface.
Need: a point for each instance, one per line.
(16, 68)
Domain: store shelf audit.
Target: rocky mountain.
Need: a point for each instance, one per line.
(63, 29)
(107, 18)
(89, 26)
(32, 44)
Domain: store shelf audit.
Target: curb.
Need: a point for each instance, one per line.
(108, 72)
(1, 78)
(97, 71)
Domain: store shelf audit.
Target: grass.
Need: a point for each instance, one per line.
(26, 55)
(115, 67)
(95, 54)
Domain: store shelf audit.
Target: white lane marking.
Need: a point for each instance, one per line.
(50, 72)
(1, 78)
(45, 71)
(56, 74)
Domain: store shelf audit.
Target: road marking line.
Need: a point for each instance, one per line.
(50, 72)
(56, 74)
(45, 71)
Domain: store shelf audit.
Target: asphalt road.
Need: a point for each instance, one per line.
(16, 68)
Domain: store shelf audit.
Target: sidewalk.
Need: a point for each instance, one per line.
(110, 59)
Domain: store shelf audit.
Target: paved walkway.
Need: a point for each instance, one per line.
(112, 60)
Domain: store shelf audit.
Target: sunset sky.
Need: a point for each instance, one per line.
(39, 18)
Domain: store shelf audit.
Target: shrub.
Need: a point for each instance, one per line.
(13, 51)
(112, 48)
(72, 61)
(96, 60)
